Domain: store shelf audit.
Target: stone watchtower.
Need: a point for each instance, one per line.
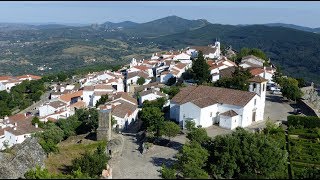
(104, 128)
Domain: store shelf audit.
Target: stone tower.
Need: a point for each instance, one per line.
(104, 128)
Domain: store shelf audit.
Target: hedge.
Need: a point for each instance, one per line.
(305, 121)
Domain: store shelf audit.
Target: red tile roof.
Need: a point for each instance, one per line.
(24, 127)
(256, 71)
(69, 96)
(206, 95)
(230, 113)
(180, 65)
(142, 68)
(4, 78)
(257, 79)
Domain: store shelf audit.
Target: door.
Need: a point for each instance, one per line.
(253, 116)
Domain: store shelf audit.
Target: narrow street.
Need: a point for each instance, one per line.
(132, 164)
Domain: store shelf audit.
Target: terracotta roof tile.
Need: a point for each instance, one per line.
(257, 79)
(24, 127)
(69, 96)
(125, 96)
(229, 113)
(213, 94)
(79, 104)
(123, 109)
(181, 65)
(142, 68)
(204, 49)
(5, 78)
(256, 71)
(139, 73)
(88, 88)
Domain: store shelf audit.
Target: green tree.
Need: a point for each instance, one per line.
(198, 135)
(52, 132)
(244, 154)
(141, 80)
(190, 125)
(171, 91)
(102, 100)
(159, 103)
(191, 160)
(153, 119)
(69, 125)
(290, 88)
(38, 173)
(200, 69)
(171, 81)
(239, 80)
(37, 120)
(91, 163)
(50, 137)
(170, 129)
(301, 82)
(5, 111)
(168, 173)
(89, 119)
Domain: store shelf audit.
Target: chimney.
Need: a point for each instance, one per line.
(36, 125)
(15, 128)
(15, 124)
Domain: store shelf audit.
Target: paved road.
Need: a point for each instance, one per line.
(132, 164)
(34, 107)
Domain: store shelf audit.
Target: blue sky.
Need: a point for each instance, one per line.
(302, 13)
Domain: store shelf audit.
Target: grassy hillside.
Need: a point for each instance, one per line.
(164, 26)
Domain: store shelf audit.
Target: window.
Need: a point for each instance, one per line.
(255, 101)
(263, 87)
(254, 85)
(210, 114)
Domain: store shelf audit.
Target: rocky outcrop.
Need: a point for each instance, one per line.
(311, 95)
(21, 158)
(114, 146)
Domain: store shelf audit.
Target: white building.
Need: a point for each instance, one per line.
(251, 61)
(15, 129)
(124, 109)
(151, 95)
(266, 73)
(133, 77)
(211, 51)
(229, 108)
(52, 107)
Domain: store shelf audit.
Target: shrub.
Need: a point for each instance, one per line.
(305, 121)
(168, 173)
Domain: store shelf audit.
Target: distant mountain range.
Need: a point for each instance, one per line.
(292, 26)
(295, 48)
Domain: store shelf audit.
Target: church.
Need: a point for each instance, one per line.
(229, 108)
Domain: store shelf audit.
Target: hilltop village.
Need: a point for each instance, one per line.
(205, 105)
(191, 94)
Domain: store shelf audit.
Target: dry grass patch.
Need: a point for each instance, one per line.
(69, 150)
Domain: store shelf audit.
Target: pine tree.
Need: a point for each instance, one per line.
(200, 69)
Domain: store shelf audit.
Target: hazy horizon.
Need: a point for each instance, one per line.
(223, 12)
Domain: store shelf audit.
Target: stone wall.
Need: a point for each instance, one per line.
(21, 158)
(311, 98)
